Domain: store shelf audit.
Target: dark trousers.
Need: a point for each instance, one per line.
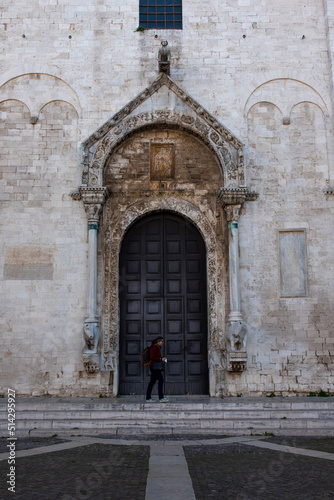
(156, 375)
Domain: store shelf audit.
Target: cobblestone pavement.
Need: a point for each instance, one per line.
(98, 472)
(241, 472)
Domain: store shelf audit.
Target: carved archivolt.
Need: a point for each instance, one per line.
(115, 227)
(102, 144)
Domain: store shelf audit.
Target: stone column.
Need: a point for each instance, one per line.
(232, 200)
(232, 214)
(93, 199)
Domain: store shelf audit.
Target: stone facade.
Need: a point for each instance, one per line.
(237, 138)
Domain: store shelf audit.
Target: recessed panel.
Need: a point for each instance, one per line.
(194, 347)
(193, 286)
(193, 266)
(133, 306)
(153, 327)
(173, 247)
(132, 327)
(174, 306)
(133, 347)
(194, 306)
(174, 368)
(173, 266)
(153, 306)
(194, 367)
(174, 347)
(194, 326)
(153, 267)
(133, 287)
(153, 247)
(133, 368)
(132, 267)
(174, 326)
(153, 286)
(174, 286)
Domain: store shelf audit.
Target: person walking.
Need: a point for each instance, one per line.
(156, 370)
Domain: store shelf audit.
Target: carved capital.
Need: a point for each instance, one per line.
(94, 199)
(232, 212)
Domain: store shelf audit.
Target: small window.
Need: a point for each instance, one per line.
(160, 14)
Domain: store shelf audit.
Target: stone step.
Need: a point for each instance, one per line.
(233, 416)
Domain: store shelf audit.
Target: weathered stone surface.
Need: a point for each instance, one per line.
(81, 104)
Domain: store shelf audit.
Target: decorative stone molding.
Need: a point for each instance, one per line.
(235, 196)
(329, 191)
(98, 148)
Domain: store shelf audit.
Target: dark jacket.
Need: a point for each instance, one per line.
(155, 354)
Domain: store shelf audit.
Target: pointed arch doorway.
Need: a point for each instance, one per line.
(162, 291)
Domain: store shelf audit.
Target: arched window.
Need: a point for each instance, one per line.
(160, 14)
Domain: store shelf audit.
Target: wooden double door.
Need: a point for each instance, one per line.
(163, 292)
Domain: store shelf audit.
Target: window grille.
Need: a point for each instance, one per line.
(160, 14)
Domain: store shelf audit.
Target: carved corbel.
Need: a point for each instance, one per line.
(91, 363)
(236, 345)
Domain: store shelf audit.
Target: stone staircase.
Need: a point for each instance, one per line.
(46, 416)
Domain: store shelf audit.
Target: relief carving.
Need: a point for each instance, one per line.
(162, 161)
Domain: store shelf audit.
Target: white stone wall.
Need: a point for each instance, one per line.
(71, 65)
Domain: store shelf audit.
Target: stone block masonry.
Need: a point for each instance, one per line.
(264, 72)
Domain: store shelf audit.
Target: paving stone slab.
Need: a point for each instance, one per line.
(31, 442)
(92, 472)
(315, 443)
(238, 471)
